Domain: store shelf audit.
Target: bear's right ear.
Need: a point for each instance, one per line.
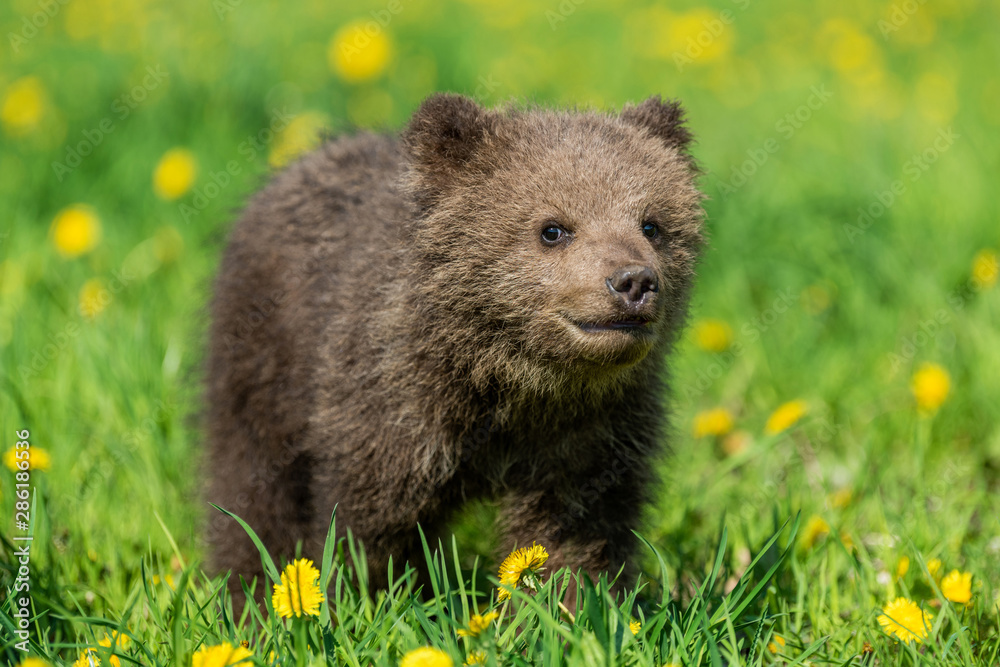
(442, 139)
(664, 119)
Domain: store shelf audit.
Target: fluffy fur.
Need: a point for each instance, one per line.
(392, 334)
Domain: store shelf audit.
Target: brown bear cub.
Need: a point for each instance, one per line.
(480, 308)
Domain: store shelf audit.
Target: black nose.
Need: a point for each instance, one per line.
(631, 283)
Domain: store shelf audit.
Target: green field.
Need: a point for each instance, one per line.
(849, 151)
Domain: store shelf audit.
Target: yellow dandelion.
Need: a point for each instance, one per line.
(477, 624)
(426, 656)
(93, 298)
(957, 586)
(33, 662)
(221, 655)
(736, 443)
(527, 560)
(934, 567)
(75, 230)
(785, 416)
(985, 268)
(930, 385)
(634, 627)
(902, 618)
(475, 658)
(23, 106)
(713, 335)
(841, 498)
(776, 644)
(902, 567)
(38, 458)
(360, 51)
(716, 421)
(304, 133)
(88, 658)
(174, 174)
(816, 529)
(298, 594)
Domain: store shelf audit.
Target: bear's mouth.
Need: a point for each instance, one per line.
(630, 325)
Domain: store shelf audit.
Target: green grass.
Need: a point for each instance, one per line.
(822, 308)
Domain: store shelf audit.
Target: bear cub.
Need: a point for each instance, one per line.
(481, 307)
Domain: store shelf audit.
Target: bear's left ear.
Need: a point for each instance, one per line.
(664, 120)
(443, 138)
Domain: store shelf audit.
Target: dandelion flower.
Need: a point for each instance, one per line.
(713, 335)
(957, 586)
(33, 662)
(777, 644)
(304, 132)
(174, 173)
(426, 656)
(841, 498)
(934, 568)
(475, 658)
(75, 231)
(298, 594)
(93, 298)
(634, 627)
(736, 442)
(902, 567)
(360, 51)
(38, 459)
(716, 421)
(930, 386)
(905, 620)
(786, 416)
(219, 656)
(23, 106)
(985, 268)
(477, 624)
(527, 560)
(815, 529)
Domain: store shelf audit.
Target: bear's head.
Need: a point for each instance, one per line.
(552, 244)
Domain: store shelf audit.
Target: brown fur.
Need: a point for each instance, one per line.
(391, 334)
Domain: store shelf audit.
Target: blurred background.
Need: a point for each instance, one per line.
(844, 353)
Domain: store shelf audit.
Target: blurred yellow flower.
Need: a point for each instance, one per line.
(716, 421)
(168, 244)
(902, 567)
(93, 298)
(298, 593)
(89, 657)
(934, 567)
(736, 442)
(634, 627)
(849, 49)
(785, 416)
(841, 497)
(985, 268)
(174, 174)
(904, 619)
(38, 459)
(303, 134)
(222, 655)
(527, 560)
(957, 586)
(930, 386)
(777, 644)
(699, 35)
(713, 335)
(359, 51)
(75, 230)
(426, 656)
(23, 106)
(477, 624)
(816, 528)
(33, 662)
(475, 658)
(936, 98)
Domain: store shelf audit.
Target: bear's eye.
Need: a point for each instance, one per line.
(553, 234)
(650, 230)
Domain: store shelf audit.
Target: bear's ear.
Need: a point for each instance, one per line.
(443, 137)
(664, 120)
